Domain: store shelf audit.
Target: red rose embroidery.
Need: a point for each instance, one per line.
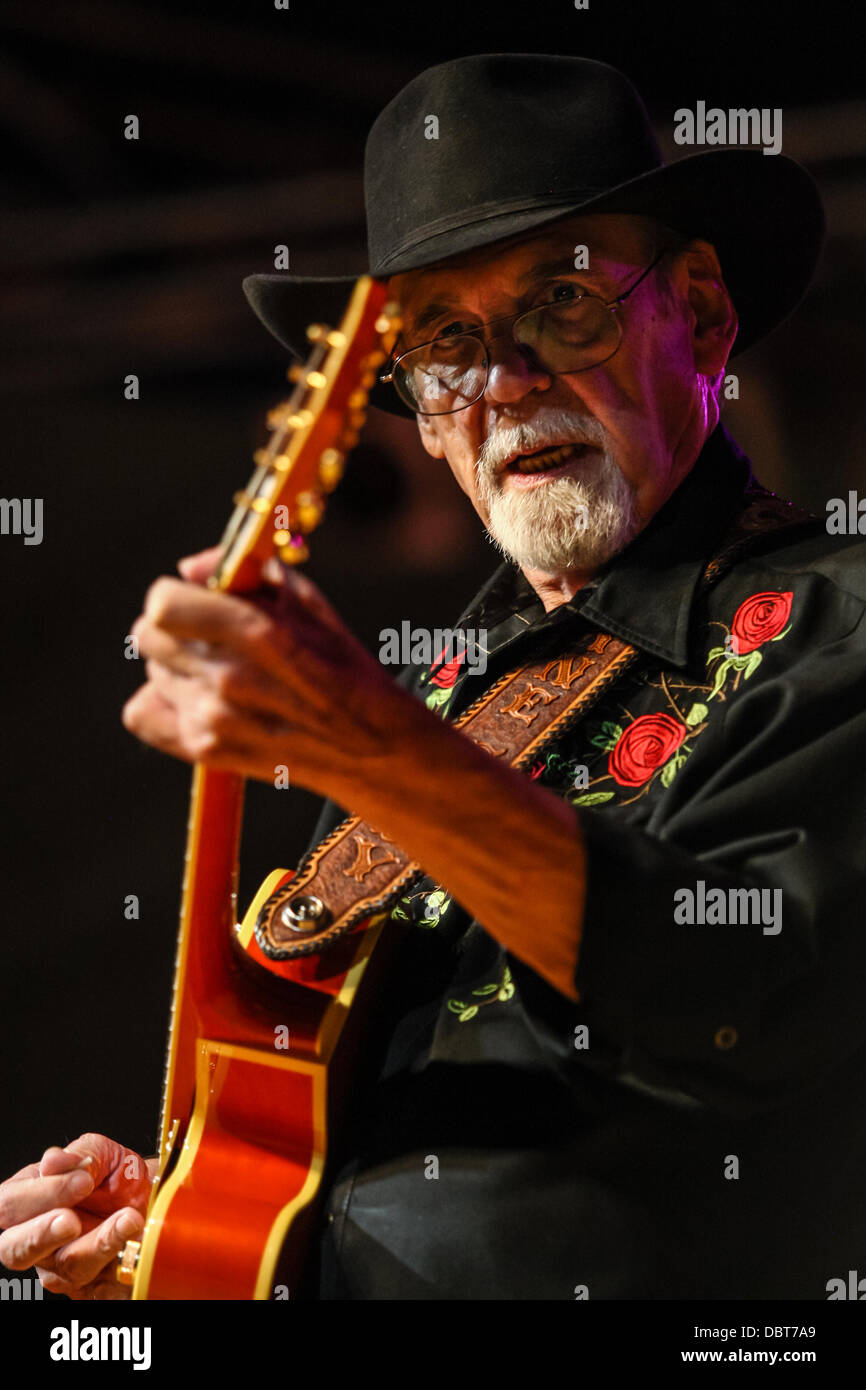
(643, 747)
(448, 674)
(757, 620)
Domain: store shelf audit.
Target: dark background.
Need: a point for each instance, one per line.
(120, 257)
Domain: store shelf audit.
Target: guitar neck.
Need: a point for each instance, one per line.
(311, 434)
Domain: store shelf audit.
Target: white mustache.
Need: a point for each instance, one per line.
(549, 431)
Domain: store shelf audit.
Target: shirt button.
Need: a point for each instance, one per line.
(726, 1037)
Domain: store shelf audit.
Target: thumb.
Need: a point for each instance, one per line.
(55, 1161)
(120, 1175)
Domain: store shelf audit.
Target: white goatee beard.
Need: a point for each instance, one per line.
(570, 523)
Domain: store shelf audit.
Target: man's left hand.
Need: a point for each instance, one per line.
(253, 684)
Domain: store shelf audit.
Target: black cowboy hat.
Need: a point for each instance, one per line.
(526, 138)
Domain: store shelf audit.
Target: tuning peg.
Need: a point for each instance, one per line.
(277, 416)
(317, 331)
(348, 439)
(295, 552)
(316, 379)
(295, 372)
(389, 319)
(308, 511)
(374, 359)
(332, 464)
(282, 463)
(357, 400)
(336, 338)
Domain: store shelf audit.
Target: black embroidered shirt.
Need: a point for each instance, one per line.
(696, 1126)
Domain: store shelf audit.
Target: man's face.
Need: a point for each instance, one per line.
(637, 421)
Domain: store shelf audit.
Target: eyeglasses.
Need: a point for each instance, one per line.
(564, 336)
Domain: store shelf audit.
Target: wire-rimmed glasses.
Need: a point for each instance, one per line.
(563, 336)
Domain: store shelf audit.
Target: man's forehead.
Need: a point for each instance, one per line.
(609, 239)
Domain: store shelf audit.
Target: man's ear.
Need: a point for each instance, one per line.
(715, 322)
(429, 436)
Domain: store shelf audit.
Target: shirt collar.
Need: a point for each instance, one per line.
(645, 594)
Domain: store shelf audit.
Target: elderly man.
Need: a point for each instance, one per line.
(621, 1050)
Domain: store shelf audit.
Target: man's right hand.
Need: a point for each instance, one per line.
(72, 1213)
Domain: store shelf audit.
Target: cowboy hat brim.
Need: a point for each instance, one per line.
(763, 213)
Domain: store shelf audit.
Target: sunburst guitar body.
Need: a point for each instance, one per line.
(259, 1050)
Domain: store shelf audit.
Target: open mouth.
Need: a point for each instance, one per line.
(547, 460)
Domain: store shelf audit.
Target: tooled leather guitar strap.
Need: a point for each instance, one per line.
(357, 871)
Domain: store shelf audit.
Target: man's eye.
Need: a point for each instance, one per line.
(565, 291)
(451, 330)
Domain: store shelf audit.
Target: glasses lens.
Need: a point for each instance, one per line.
(442, 376)
(570, 335)
(451, 372)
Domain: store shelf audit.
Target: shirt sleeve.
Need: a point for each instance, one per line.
(741, 1013)
(330, 814)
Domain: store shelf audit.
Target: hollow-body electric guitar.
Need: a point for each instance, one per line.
(252, 1082)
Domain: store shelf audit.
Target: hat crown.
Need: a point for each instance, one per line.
(523, 139)
(511, 131)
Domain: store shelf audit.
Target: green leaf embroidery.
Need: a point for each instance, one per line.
(669, 772)
(714, 653)
(608, 736)
(696, 715)
(671, 768)
(436, 698)
(752, 664)
(782, 634)
(591, 798)
(488, 994)
(437, 905)
(721, 676)
(400, 914)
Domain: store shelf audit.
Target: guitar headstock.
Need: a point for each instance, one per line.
(311, 435)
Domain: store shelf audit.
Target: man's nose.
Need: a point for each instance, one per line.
(514, 371)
